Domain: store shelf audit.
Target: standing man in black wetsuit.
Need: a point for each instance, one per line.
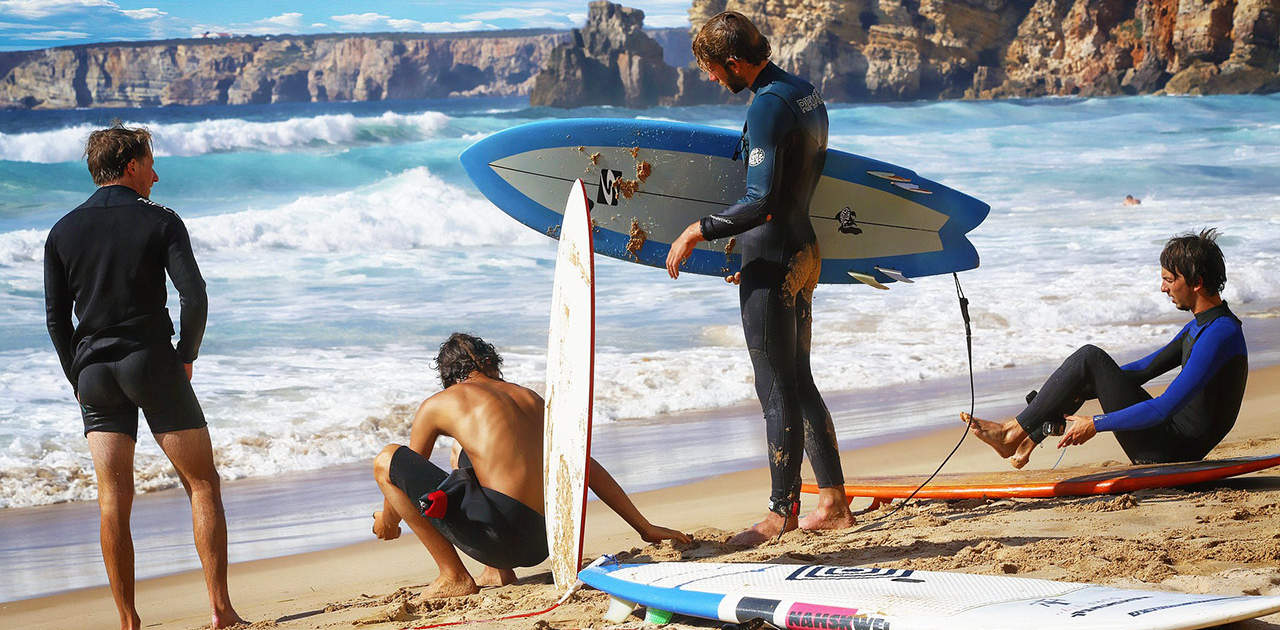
(106, 260)
(785, 148)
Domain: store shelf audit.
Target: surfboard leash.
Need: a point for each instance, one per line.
(973, 397)
(563, 599)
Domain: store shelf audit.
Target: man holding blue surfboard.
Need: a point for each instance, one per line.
(784, 145)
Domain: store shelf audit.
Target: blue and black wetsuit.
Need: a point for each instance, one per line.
(785, 148)
(1185, 422)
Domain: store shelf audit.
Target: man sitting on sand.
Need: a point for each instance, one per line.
(1192, 415)
(491, 506)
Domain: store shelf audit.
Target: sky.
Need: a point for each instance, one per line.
(29, 24)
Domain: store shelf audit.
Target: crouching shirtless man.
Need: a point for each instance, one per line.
(490, 506)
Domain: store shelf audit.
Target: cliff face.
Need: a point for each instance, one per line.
(280, 69)
(609, 61)
(910, 49)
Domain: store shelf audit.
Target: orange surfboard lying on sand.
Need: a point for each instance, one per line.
(1067, 482)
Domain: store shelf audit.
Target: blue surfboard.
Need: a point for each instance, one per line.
(876, 222)
(800, 597)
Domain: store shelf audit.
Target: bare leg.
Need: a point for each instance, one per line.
(113, 466)
(1005, 437)
(496, 577)
(1023, 454)
(832, 511)
(192, 455)
(765, 530)
(454, 580)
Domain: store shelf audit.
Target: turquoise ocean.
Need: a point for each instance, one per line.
(342, 243)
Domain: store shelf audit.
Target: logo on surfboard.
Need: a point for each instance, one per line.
(848, 221)
(608, 192)
(819, 572)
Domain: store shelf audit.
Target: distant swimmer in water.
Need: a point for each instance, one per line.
(490, 505)
(1130, 200)
(784, 145)
(1192, 415)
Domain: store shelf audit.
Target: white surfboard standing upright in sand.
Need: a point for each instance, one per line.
(566, 440)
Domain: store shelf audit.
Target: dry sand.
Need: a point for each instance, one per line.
(1219, 538)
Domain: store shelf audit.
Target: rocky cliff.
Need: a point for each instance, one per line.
(275, 69)
(858, 50)
(911, 49)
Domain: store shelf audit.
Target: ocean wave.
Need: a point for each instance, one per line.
(409, 210)
(232, 134)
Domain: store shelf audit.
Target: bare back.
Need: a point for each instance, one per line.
(498, 424)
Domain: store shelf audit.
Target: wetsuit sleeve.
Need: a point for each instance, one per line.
(181, 264)
(768, 121)
(1216, 345)
(1158, 362)
(57, 307)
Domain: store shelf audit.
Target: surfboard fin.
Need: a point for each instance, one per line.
(619, 610)
(867, 280)
(655, 616)
(895, 274)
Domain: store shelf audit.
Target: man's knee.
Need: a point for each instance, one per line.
(1090, 351)
(382, 463)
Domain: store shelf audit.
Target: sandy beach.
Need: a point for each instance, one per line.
(1218, 538)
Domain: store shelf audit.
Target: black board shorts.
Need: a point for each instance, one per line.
(151, 379)
(485, 524)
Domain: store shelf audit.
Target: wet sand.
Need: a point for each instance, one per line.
(1219, 538)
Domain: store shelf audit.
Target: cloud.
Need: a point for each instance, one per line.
(286, 20)
(318, 25)
(45, 8)
(456, 27)
(360, 20)
(52, 35)
(666, 21)
(143, 14)
(510, 14)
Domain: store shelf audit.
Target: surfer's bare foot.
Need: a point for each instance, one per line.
(496, 577)
(451, 586)
(1003, 437)
(765, 530)
(832, 511)
(226, 619)
(1023, 454)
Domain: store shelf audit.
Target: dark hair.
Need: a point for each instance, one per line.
(461, 354)
(1197, 258)
(110, 150)
(730, 34)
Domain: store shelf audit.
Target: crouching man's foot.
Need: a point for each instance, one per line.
(496, 577)
(451, 586)
(832, 511)
(226, 619)
(766, 530)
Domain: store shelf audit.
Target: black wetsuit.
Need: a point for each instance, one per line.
(785, 148)
(483, 523)
(108, 259)
(1185, 422)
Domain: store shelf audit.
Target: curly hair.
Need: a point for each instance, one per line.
(1197, 258)
(461, 354)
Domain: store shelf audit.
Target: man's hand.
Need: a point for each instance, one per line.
(186, 367)
(682, 247)
(734, 279)
(1080, 431)
(382, 530)
(655, 533)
